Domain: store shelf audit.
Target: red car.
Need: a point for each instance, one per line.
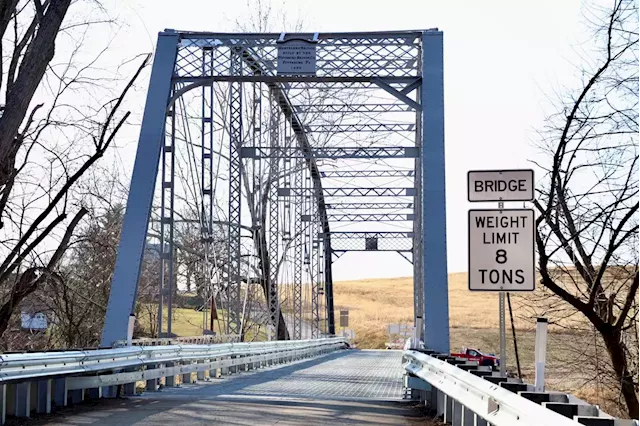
(475, 355)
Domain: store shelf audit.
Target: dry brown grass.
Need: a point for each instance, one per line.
(376, 303)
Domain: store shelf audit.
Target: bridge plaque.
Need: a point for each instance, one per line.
(501, 250)
(296, 57)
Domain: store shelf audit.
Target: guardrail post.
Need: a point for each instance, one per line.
(234, 368)
(186, 377)
(224, 371)
(152, 384)
(94, 393)
(43, 404)
(440, 403)
(3, 404)
(23, 399)
(207, 372)
(129, 389)
(448, 408)
(60, 392)
(199, 373)
(215, 371)
(243, 366)
(267, 359)
(110, 391)
(170, 380)
(468, 417)
(480, 421)
(77, 396)
(456, 415)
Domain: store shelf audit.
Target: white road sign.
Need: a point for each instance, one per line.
(296, 57)
(501, 251)
(500, 185)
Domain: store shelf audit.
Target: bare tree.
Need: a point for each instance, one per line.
(78, 301)
(587, 229)
(49, 139)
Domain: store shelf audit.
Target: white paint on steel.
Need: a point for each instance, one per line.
(540, 353)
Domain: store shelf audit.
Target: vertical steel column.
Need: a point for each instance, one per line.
(124, 285)
(322, 290)
(434, 234)
(313, 261)
(328, 280)
(206, 177)
(234, 281)
(167, 192)
(418, 244)
(273, 295)
(298, 241)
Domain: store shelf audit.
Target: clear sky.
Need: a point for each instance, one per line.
(503, 61)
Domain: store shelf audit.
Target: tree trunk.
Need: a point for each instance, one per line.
(259, 237)
(27, 284)
(36, 59)
(613, 342)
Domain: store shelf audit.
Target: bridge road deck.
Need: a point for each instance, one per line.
(344, 387)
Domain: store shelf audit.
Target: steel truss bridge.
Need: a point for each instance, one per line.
(265, 180)
(245, 178)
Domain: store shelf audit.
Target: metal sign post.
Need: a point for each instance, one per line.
(503, 336)
(501, 242)
(503, 327)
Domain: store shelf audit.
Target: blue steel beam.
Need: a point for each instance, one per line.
(124, 286)
(434, 237)
(330, 152)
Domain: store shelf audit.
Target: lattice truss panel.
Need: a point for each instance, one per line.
(338, 55)
(266, 179)
(372, 241)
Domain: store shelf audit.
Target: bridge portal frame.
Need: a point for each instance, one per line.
(400, 73)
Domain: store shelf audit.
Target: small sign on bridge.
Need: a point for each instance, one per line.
(344, 318)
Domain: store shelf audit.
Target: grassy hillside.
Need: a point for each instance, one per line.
(376, 303)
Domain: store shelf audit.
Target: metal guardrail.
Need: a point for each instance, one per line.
(195, 340)
(464, 393)
(57, 378)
